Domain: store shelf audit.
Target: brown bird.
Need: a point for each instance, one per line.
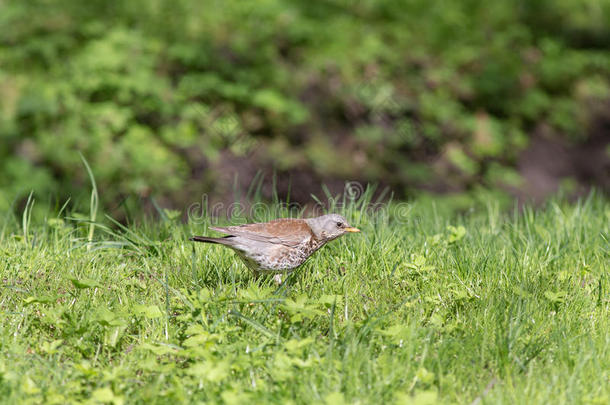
(281, 245)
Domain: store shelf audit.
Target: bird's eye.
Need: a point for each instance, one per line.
(339, 224)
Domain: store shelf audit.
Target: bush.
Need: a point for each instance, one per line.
(156, 93)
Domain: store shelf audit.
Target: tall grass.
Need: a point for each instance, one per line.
(427, 305)
(93, 205)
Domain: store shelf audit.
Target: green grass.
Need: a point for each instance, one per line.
(481, 306)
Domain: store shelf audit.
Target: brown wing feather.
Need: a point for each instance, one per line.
(285, 231)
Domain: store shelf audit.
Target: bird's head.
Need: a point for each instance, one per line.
(329, 227)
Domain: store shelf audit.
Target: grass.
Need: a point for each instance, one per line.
(479, 306)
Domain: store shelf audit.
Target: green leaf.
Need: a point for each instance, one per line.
(202, 339)
(84, 283)
(106, 317)
(210, 371)
(29, 386)
(556, 297)
(420, 398)
(234, 397)
(328, 300)
(159, 349)
(105, 395)
(296, 346)
(396, 333)
(456, 234)
(335, 398)
(45, 299)
(424, 376)
(51, 347)
(150, 311)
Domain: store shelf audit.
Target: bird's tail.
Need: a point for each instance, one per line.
(205, 239)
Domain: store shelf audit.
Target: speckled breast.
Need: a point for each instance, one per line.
(285, 258)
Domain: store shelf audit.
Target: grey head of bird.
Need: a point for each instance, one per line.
(329, 227)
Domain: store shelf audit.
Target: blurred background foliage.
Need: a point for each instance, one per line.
(178, 98)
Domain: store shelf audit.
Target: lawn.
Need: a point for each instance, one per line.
(427, 305)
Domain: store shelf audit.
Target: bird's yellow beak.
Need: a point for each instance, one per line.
(352, 229)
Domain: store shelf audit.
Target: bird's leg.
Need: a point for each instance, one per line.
(278, 279)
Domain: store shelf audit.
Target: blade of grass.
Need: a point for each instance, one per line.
(256, 325)
(93, 203)
(27, 216)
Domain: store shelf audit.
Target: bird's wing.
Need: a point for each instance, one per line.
(285, 231)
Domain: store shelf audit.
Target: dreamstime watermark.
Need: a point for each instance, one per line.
(355, 203)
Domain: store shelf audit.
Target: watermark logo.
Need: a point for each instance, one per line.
(355, 203)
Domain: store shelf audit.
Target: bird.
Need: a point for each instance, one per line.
(281, 245)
